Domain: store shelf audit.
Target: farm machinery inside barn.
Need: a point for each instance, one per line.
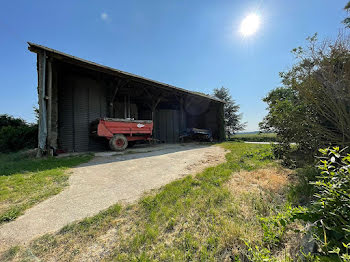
(122, 132)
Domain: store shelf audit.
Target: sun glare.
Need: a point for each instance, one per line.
(250, 25)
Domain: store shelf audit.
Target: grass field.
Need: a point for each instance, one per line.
(262, 137)
(25, 181)
(215, 215)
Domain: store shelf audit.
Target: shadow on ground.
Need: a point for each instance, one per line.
(142, 151)
(16, 163)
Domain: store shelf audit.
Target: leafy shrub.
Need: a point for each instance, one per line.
(275, 226)
(345, 256)
(16, 134)
(330, 211)
(259, 254)
(293, 156)
(6, 120)
(283, 151)
(301, 192)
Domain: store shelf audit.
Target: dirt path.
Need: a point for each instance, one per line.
(107, 180)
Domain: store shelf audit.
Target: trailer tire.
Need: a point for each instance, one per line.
(118, 143)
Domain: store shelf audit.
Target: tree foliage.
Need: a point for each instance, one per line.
(346, 21)
(6, 120)
(312, 108)
(290, 118)
(231, 116)
(16, 134)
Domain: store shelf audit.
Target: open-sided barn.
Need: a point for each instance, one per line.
(74, 92)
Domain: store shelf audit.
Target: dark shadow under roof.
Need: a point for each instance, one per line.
(109, 70)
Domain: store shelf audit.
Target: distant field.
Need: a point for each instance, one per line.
(263, 137)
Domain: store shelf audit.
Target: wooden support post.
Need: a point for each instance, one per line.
(111, 110)
(154, 103)
(42, 132)
(154, 106)
(54, 105)
(125, 107)
(111, 103)
(49, 108)
(129, 107)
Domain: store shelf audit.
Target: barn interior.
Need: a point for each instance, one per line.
(74, 92)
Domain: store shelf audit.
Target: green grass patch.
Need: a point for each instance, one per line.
(10, 254)
(258, 137)
(25, 181)
(194, 218)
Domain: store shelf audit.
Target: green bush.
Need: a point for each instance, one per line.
(275, 226)
(16, 134)
(6, 120)
(302, 192)
(259, 254)
(293, 156)
(330, 211)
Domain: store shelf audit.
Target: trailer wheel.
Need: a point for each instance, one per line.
(118, 143)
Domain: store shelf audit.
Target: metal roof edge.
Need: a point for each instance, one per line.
(34, 47)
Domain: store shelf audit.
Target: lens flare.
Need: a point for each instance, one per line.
(250, 25)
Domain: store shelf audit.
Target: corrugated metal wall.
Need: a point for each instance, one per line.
(81, 117)
(65, 114)
(81, 100)
(97, 108)
(167, 125)
(211, 120)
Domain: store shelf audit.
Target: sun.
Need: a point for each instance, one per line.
(250, 25)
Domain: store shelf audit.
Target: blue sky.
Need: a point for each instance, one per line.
(191, 44)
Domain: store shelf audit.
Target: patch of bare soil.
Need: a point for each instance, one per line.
(273, 179)
(210, 159)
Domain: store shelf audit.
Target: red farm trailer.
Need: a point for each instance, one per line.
(121, 132)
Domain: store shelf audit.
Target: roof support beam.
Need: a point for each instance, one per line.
(120, 85)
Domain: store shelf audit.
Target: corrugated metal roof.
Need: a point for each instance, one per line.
(36, 48)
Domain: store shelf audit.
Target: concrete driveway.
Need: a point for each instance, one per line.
(106, 180)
